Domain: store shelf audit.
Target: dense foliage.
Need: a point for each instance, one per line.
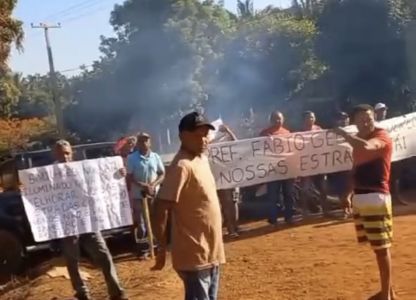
(11, 32)
(170, 56)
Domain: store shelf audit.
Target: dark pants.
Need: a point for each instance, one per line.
(95, 246)
(307, 184)
(140, 232)
(275, 190)
(396, 172)
(229, 208)
(201, 285)
(340, 182)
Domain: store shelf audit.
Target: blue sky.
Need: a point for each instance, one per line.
(76, 42)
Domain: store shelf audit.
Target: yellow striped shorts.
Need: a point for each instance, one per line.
(373, 219)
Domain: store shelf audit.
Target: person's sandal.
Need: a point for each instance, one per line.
(233, 235)
(377, 296)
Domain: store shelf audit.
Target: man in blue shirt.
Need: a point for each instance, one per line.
(145, 172)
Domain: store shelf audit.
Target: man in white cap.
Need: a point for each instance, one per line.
(380, 110)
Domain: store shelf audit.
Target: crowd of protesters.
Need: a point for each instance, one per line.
(188, 211)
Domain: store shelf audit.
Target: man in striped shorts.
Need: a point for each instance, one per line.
(371, 203)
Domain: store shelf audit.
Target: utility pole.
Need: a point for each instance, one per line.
(52, 77)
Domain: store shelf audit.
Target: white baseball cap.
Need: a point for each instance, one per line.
(379, 106)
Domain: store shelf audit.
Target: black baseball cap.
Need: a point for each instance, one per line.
(342, 115)
(194, 120)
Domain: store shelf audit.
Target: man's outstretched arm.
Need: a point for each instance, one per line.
(358, 143)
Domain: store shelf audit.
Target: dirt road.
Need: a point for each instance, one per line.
(315, 261)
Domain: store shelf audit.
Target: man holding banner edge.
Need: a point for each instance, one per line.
(229, 204)
(318, 181)
(93, 243)
(277, 189)
(371, 203)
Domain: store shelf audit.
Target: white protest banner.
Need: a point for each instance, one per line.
(265, 159)
(73, 198)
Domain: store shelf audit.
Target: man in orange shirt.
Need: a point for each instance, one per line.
(309, 121)
(276, 188)
(189, 193)
(319, 181)
(371, 203)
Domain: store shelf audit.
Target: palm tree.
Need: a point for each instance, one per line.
(307, 8)
(11, 32)
(245, 8)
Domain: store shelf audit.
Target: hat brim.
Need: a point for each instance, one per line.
(209, 125)
(143, 136)
(381, 107)
(195, 127)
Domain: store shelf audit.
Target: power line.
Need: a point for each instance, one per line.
(83, 15)
(75, 69)
(81, 9)
(71, 8)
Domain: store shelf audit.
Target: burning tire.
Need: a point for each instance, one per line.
(11, 253)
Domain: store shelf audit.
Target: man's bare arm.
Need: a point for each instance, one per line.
(161, 213)
(358, 143)
(227, 130)
(361, 144)
(232, 135)
(131, 179)
(159, 179)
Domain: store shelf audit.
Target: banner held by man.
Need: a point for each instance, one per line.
(73, 198)
(265, 159)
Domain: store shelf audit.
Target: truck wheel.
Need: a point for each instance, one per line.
(11, 253)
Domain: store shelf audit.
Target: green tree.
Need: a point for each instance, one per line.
(245, 8)
(411, 6)
(9, 93)
(362, 43)
(10, 32)
(307, 8)
(35, 99)
(152, 69)
(267, 60)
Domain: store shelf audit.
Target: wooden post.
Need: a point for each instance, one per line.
(146, 215)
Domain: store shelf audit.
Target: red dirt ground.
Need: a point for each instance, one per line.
(309, 261)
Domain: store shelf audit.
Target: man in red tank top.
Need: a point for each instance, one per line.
(276, 189)
(371, 203)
